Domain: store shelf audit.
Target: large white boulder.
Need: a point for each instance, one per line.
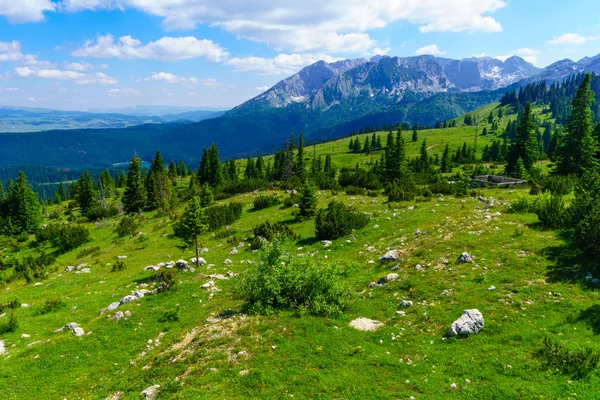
(471, 321)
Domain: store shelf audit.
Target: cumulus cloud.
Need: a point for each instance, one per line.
(75, 76)
(172, 78)
(282, 64)
(311, 25)
(164, 49)
(19, 11)
(75, 66)
(572, 38)
(432, 49)
(10, 51)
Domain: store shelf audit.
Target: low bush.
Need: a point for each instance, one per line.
(579, 364)
(128, 225)
(265, 201)
(168, 277)
(300, 285)
(290, 200)
(355, 191)
(9, 326)
(338, 220)
(219, 216)
(31, 268)
(169, 316)
(118, 266)
(98, 212)
(67, 237)
(12, 304)
(550, 211)
(51, 305)
(271, 231)
(401, 191)
(522, 205)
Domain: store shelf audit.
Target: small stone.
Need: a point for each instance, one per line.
(465, 258)
(406, 303)
(118, 316)
(150, 393)
(78, 331)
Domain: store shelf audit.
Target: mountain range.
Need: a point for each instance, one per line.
(323, 100)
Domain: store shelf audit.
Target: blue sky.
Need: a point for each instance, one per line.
(84, 54)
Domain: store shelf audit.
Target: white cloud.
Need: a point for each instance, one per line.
(75, 66)
(527, 54)
(312, 25)
(19, 11)
(282, 64)
(122, 92)
(164, 49)
(572, 38)
(172, 78)
(10, 51)
(76, 76)
(10, 89)
(432, 49)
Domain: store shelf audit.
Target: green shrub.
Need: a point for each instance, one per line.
(401, 191)
(587, 233)
(265, 201)
(580, 364)
(168, 277)
(12, 304)
(224, 233)
(98, 212)
(219, 216)
(169, 316)
(51, 305)
(72, 237)
(89, 251)
(338, 220)
(291, 200)
(128, 225)
(118, 266)
(550, 211)
(31, 268)
(520, 206)
(9, 326)
(272, 231)
(298, 285)
(355, 191)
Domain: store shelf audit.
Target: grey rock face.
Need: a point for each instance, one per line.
(465, 258)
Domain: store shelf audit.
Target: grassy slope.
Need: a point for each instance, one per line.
(308, 357)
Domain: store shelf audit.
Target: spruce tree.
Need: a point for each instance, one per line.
(86, 195)
(367, 146)
(107, 182)
(158, 188)
(134, 198)
(250, 172)
(62, 193)
(172, 170)
(3, 193)
(445, 167)
(577, 149)
(206, 196)
(308, 201)
(415, 137)
(357, 146)
(525, 146)
(215, 168)
(231, 172)
(260, 167)
(24, 211)
(192, 225)
(300, 167)
(424, 157)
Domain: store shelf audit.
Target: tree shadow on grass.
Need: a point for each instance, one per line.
(569, 264)
(591, 316)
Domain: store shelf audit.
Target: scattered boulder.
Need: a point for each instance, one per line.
(482, 199)
(25, 336)
(121, 257)
(118, 316)
(78, 331)
(127, 314)
(70, 268)
(406, 303)
(115, 396)
(110, 307)
(390, 256)
(471, 321)
(181, 264)
(201, 261)
(233, 251)
(326, 243)
(2, 347)
(465, 258)
(150, 393)
(419, 267)
(227, 261)
(366, 324)
(151, 268)
(68, 327)
(388, 278)
(127, 299)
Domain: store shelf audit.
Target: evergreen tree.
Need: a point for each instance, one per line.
(287, 167)
(525, 146)
(308, 201)
(485, 132)
(86, 195)
(373, 141)
(379, 146)
(2, 192)
(351, 145)
(203, 168)
(206, 196)
(158, 187)
(329, 169)
(577, 149)
(357, 146)
(192, 225)
(107, 182)
(415, 137)
(134, 198)
(519, 171)
(446, 167)
(367, 146)
(250, 171)
(300, 167)
(424, 157)
(231, 172)
(172, 170)
(500, 113)
(260, 167)
(490, 118)
(24, 211)
(62, 193)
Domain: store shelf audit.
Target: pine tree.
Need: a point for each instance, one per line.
(490, 118)
(519, 171)
(172, 170)
(192, 225)
(231, 172)
(415, 137)
(329, 169)
(62, 192)
(351, 145)
(107, 182)
(577, 149)
(367, 146)
(357, 146)
(300, 167)
(260, 167)
(378, 145)
(3, 193)
(525, 146)
(134, 198)
(308, 201)
(500, 113)
(158, 188)
(24, 211)
(203, 168)
(373, 141)
(206, 196)
(446, 167)
(424, 157)
(86, 195)
(250, 171)
(287, 167)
